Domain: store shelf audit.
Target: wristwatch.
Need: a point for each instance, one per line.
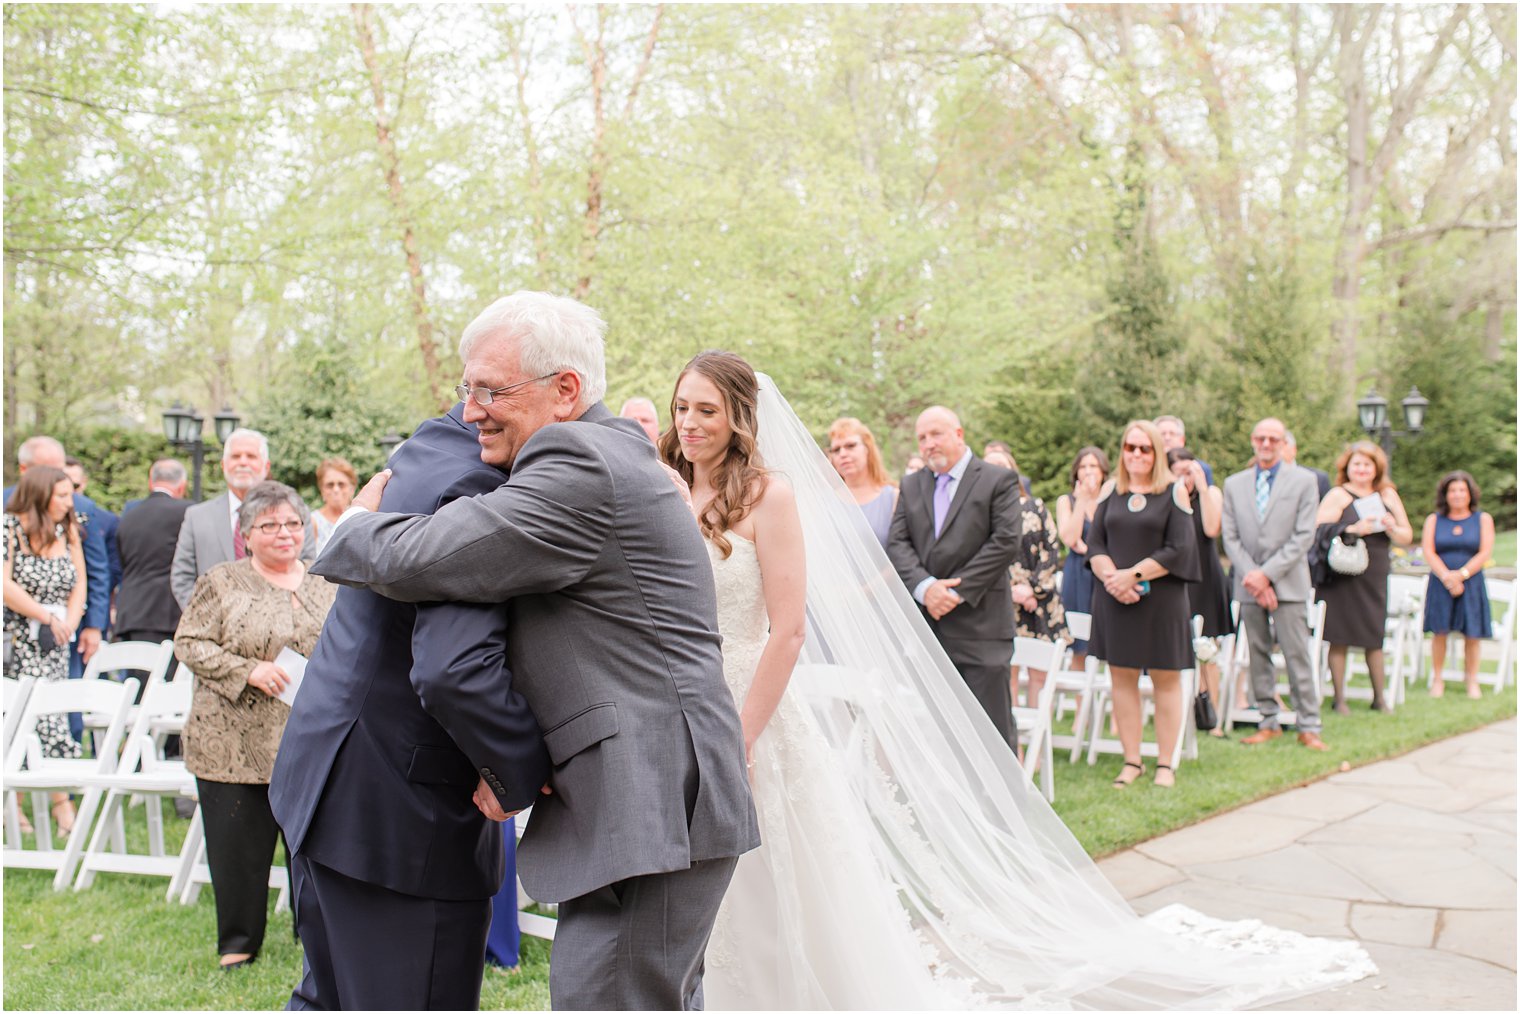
(1463, 574)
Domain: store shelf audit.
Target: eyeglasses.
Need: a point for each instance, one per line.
(1266, 440)
(1139, 449)
(483, 396)
(270, 527)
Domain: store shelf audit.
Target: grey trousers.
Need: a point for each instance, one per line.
(638, 944)
(1291, 623)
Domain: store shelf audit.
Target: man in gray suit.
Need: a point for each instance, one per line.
(1268, 527)
(209, 533)
(614, 644)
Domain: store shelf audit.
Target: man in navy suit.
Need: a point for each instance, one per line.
(394, 865)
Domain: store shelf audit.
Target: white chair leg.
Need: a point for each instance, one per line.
(97, 844)
(42, 820)
(74, 846)
(187, 856)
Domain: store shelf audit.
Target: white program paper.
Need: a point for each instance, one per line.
(1370, 506)
(294, 665)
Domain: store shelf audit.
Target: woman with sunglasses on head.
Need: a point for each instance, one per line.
(1356, 606)
(240, 616)
(1142, 551)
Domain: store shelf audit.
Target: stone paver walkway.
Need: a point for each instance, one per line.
(1414, 856)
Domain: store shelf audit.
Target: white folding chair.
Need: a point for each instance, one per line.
(191, 871)
(1504, 634)
(27, 769)
(1034, 723)
(15, 694)
(531, 923)
(1240, 669)
(142, 772)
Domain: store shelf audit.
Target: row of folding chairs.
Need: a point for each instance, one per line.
(127, 767)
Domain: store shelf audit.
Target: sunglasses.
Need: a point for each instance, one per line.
(1139, 449)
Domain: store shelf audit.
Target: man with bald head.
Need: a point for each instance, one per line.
(1267, 528)
(953, 536)
(643, 412)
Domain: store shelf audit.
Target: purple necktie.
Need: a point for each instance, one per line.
(941, 501)
(239, 544)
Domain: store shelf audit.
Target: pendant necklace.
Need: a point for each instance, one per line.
(1137, 503)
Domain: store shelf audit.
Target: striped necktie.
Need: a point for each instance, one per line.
(1263, 491)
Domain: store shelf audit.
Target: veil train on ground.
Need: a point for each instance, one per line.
(1008, 907)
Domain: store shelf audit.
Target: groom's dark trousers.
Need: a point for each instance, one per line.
(394, 867)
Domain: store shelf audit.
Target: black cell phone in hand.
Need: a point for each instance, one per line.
(45, 639)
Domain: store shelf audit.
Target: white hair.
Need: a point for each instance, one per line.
(245, 434)
(646, 402)
(1171, 419)
(26, 454)
(553, 333)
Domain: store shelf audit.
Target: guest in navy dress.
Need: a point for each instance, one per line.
(856, 458)
(1457, 541)
(1074, 512)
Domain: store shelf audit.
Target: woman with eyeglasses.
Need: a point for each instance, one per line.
(1142, 551)
(336, 481)
(240, 616)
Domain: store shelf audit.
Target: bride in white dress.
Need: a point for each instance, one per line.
(905, 863)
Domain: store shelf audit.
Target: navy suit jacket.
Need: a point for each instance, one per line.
(367, 781)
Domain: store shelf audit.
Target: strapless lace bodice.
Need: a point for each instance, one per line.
(741, 611)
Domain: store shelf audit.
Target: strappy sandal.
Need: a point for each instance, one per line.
(1165, 785)
(1121, 783)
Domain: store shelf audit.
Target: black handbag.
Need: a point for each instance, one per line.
(1204, 715)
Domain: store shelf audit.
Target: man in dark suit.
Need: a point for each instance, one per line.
(394, 865)
(146, 609)
(953, 536)
(108, 522)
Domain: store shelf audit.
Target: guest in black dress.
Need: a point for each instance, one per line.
(1143, 551)
(1356, 607)
(1209, 596)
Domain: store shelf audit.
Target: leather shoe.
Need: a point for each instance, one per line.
(1312, 741)
(1261, 736)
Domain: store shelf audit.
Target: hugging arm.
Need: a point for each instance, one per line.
(459, 670)
(538, 533)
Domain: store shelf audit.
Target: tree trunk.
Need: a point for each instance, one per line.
(390, 162)
(595, 51)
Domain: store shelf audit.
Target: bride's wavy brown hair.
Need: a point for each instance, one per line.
(739, 478)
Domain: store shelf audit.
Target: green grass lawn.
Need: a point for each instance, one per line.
(121, 946)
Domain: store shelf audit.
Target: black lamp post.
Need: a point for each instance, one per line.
(1372, 413)
(183, 426)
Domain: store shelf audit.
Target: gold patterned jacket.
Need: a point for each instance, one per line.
(236, 619)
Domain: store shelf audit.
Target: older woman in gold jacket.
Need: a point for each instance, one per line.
(239, 617)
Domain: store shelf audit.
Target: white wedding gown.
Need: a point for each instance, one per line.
(905, 863)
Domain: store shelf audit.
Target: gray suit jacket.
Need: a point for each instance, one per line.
(1277, 544)
(205, 540)
(614, 644)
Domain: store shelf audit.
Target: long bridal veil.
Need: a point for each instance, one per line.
(1008, 908)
